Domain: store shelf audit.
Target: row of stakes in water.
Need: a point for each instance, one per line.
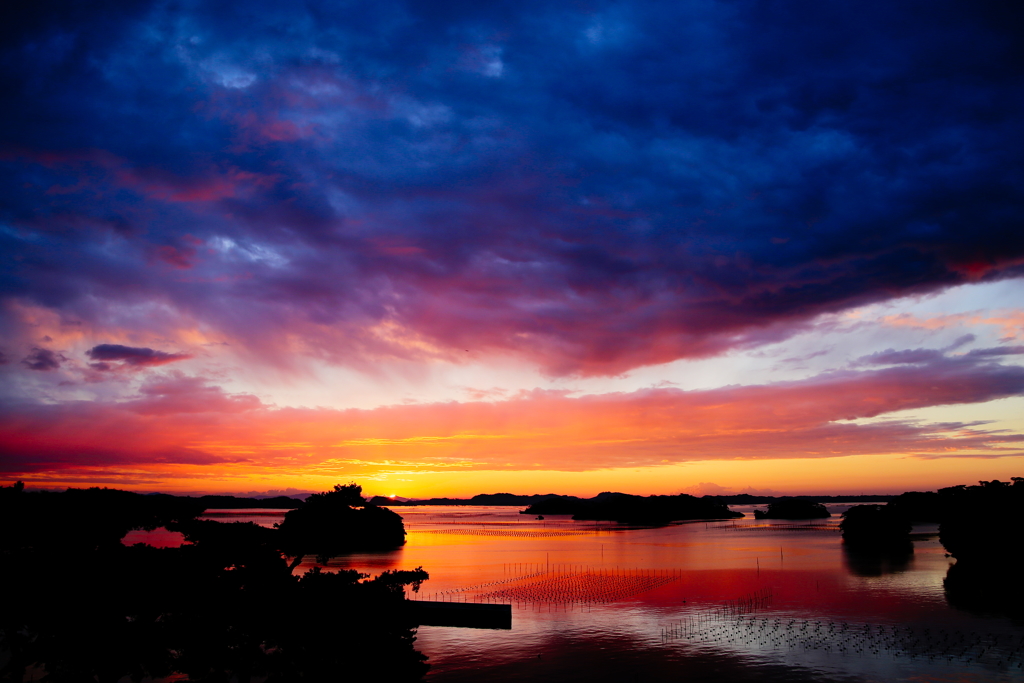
(733, 624)
(530, 584)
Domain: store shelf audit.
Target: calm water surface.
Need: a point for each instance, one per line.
(743, 600)
(718, 601)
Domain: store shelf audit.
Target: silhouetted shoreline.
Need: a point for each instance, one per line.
(514, 499)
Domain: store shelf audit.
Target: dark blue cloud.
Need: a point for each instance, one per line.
(597, 185)
(43, 359)
(130, 355)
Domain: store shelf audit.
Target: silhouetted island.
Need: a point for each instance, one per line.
(875, 526)
(339, 521)
(793, 508)
(627, 509)
(876, 540)
(223, 607)
(980, 527)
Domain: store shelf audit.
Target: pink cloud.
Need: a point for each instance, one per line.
(185, 422)
(1010, 322)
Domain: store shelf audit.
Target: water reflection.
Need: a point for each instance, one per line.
(986, 591)
(742, 600)
(596, 601)
(878, 561)
(159, 537)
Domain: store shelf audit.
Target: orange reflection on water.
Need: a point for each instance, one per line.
(776, 601)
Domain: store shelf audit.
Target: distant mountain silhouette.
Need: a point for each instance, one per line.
(233, 502)
(514, 499)
(479, 499)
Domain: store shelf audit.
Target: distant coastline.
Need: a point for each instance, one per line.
(514, 499)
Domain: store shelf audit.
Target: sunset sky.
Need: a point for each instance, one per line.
(449, 247)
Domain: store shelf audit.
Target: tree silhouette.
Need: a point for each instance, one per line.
(337, 522)
(224, 606)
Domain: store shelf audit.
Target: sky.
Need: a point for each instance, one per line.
(443, 248)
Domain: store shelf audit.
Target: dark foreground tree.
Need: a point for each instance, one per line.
(223, 607)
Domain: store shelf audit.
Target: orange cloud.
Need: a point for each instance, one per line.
(184, 427)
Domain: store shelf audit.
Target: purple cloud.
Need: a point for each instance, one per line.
(131, 356)
(593, 188)
(175, 418)
(996, 352)
(43, 360)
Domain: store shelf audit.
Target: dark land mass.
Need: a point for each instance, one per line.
(977, 525)
(480, 499)
(223, 607)
(627, 509)
(513, 499)
(876, 526)
(920, 506)
(876, 540)
(747, 499)
(339, 521)
(793, 508)
(231, 502)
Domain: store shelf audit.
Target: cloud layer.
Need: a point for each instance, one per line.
(185, 424)
(593, 186)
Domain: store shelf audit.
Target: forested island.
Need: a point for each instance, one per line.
(978, 526)
(627, 509)
(793, 508)
(81, 605)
